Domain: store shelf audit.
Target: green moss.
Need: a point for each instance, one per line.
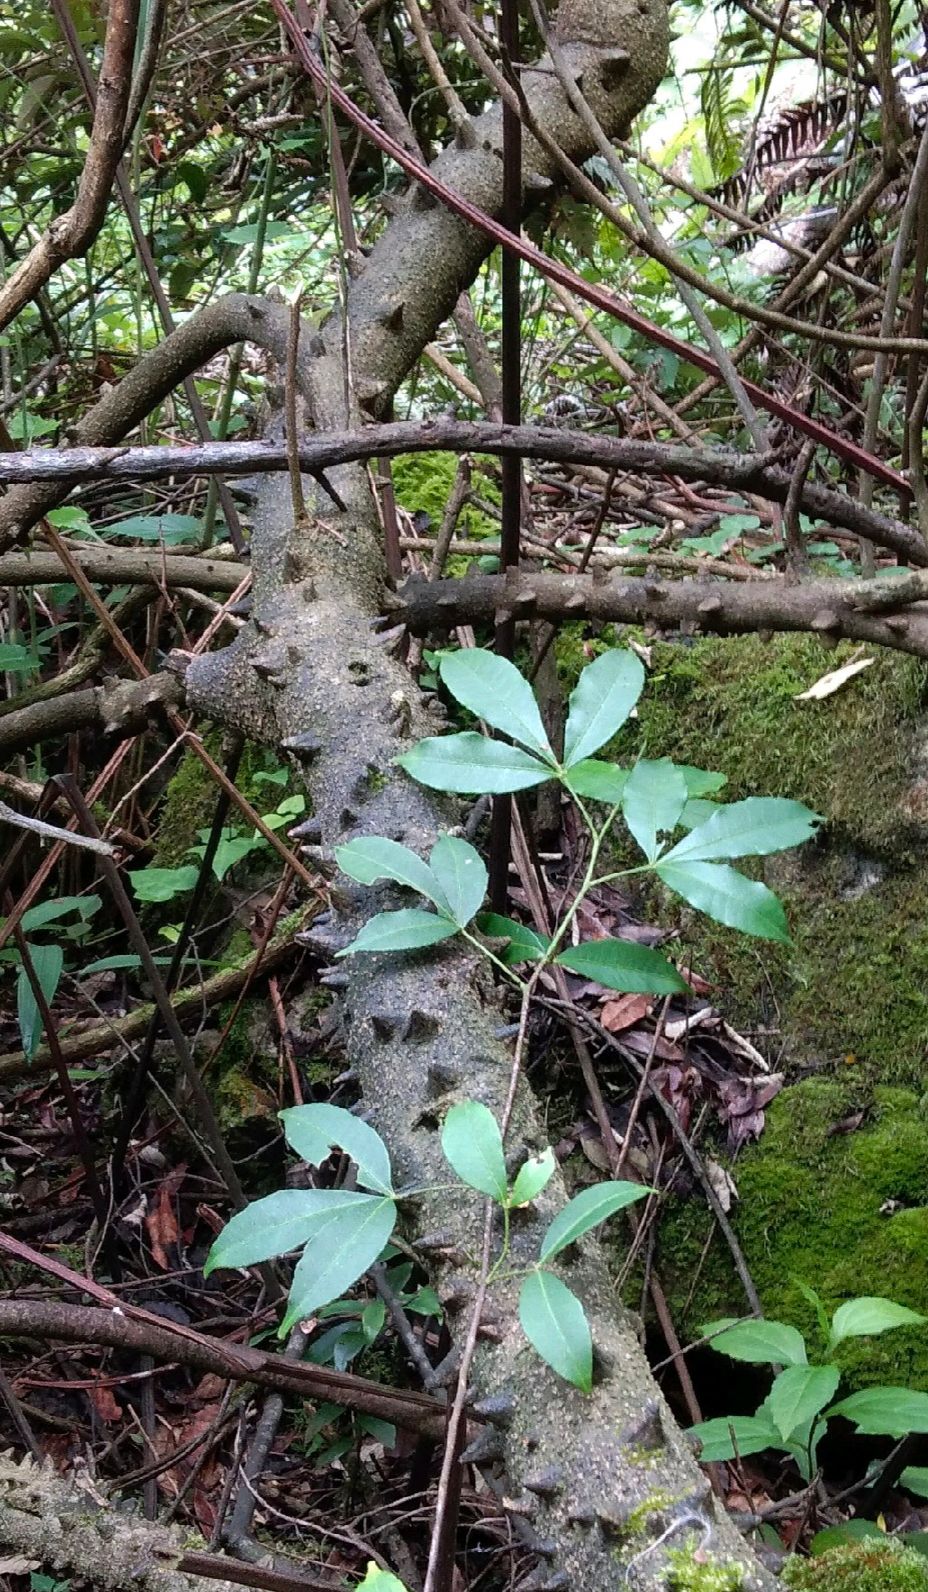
(190, 798)
(821, 1206)
(869, 1566)
(733, 700)
(641, 1516)
(694, 1570)
(423, 481)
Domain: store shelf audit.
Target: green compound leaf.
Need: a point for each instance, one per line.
(601, 701)
(752, 828)
(338, 1252)
(525, 945)
(461, 876)
(275, 1225)
(621, 965)
(473, 1146)
(406, 930)
(585, 1211)
(726, 895)
(494, 689)
(372, 857)
(314, 1131)
(597, 781)
(553, 1321)
(470, 765)
(652, 802)
(760, 1342)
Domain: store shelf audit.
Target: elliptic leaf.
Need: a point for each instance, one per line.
(275, 1225)
(470, 765)
(525, 945)
(406, 930)
(731, 1435)
(848, 1531)
(315, 1130)
(532, 1177)
(553, 1321)
(726, 895)
(885, 1411)
(378, 1580)
(652, 801)
(373, 857)
(915, 1480)
(761, 1342)
(865, 1317)
(798, 1394)
(752, 828)
(461, 875)
(601, 701)
(473, 1145)
(338, 1252)
(622, 965)
(585, 1211)
(598, 781)
(700, 782)
(47, 963)
(494, 689)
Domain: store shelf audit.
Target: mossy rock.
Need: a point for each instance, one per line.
(868, 1566)
(840, 1207)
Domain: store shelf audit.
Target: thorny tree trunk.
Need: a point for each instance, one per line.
(609, 1481)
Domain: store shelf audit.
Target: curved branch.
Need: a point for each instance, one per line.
(238, 317)
(58, 469)
(71, 234)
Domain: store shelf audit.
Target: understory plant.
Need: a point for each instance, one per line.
(794, 1416)
(685, 839)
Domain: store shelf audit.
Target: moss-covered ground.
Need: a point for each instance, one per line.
(843, 1010)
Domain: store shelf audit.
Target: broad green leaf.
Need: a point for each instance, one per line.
(378, 1580)
(652, 801)
(473, 1146)
(17, 659)
(494, 689)
(622, 965)
(726, 895)
(553, 1321)
(461, 876)
(48, 911)
(163, 884)
(761, 1342)
(915, 1480)
(885, 1411)
(700, 781)
(696, 812)
(406, 930)
(848, 1531)
(274, 1225)
(601, 701)
(798, 1394)
(865, 1317)
(373, 1317)
(470, 765)
(752, 828)
(734, 1435)
(532, 1177)
(314, 1131)
(372, 857)
(47, 963)
(585, 1211)
(525, 945)
(337, 1253)
(599, 782)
